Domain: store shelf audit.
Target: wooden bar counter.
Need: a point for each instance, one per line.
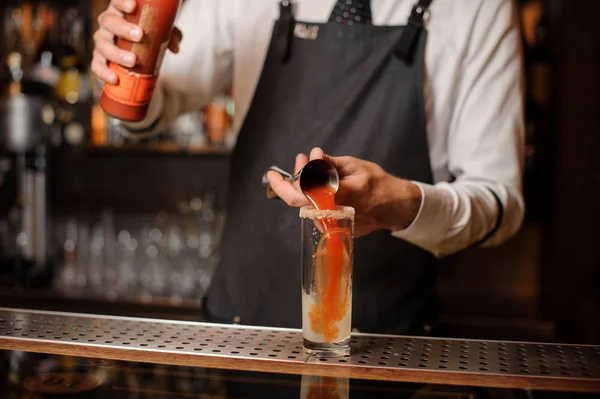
(273, 358)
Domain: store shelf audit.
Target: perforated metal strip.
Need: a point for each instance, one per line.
(392, 358)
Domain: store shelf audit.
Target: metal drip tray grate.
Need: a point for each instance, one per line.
(475, 356)
(409, 359)
(157, 335)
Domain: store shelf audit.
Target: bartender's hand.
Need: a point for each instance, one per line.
(112, 25)
(381, 201)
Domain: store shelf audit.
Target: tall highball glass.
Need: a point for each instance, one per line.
(327, 253)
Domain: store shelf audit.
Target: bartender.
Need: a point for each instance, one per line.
(418, 104)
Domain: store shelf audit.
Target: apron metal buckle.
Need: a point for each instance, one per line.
(419, 16)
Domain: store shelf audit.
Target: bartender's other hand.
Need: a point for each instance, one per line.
(381, 201)
(112, 24)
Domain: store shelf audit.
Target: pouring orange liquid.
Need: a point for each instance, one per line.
(333, 293)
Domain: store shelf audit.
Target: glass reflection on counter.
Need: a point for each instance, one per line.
(33, 375)
(315, 387)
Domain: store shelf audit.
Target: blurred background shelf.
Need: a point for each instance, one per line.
(157, 149)
(155, 307)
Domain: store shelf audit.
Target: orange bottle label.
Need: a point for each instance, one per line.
(133, 89)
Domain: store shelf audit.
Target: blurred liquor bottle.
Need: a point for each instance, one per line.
(30, 46)
(23, 135)
(44, 71)
(99, 120)
(540, 157)
(219, 120)
(15, 57)
(73, 89)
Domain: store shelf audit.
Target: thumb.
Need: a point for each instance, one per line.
(344, 165)
(317, 153)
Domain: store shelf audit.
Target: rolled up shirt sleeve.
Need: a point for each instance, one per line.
(483, 205)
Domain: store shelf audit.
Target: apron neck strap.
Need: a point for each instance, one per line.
(285, 29)
(286, 9)
(424, 3)
(416, 22)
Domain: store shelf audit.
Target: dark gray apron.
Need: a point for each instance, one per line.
(352, 90)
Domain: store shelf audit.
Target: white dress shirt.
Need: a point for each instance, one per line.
(473, 100)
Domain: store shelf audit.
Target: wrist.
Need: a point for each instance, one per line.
(400, 203)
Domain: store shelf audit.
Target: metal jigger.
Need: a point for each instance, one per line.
(316, 173)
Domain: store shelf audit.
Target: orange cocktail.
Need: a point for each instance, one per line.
(326, 273)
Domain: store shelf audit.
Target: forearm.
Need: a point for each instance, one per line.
(155, 121)
(165, 107)
(455, 216)
(397, 204)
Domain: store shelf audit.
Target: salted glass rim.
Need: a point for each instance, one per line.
(340, 212)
